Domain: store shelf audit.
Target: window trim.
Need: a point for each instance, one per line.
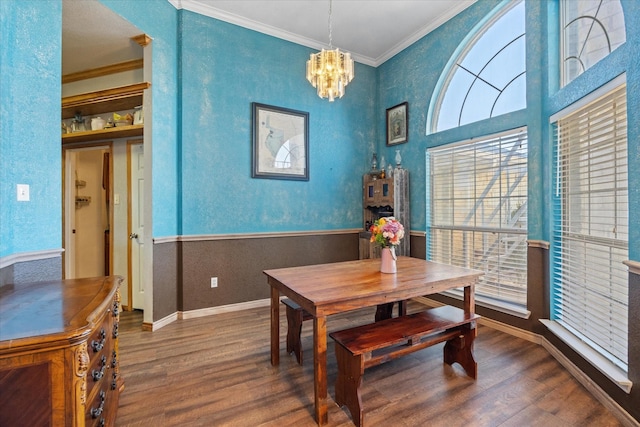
(601, 363)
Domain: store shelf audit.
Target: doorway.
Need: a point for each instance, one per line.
(88, 211)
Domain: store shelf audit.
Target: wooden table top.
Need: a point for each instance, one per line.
(336, 287)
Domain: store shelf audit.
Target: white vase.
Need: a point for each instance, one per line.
(388, 261)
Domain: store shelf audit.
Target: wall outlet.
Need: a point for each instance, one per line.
(23, 192)
(214, 282)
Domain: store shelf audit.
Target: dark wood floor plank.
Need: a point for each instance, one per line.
(216, 371)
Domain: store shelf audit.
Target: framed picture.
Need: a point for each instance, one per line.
(280, 139)
(398, 124)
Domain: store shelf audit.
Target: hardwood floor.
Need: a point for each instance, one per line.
(216, 371)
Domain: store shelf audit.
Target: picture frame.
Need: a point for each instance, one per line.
(398, 124)
(280, 143)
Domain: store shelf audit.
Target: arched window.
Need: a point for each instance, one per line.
(486, 77)
(591, 30)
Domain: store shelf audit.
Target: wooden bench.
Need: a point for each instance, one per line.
(295, 316)
(372, 344)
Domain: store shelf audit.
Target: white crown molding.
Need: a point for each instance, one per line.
(212, 12)
(459, 7)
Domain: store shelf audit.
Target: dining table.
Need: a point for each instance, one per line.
(327, 289)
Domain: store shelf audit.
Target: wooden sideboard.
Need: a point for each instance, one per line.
(59, 353)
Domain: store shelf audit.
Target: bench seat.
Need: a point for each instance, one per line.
(372, 344)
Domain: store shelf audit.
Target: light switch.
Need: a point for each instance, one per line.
(23, 192)
(116, 199)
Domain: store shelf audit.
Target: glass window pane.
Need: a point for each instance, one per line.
(487, 78)
(592, 29)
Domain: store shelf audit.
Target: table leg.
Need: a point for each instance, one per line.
(275, 326)
(320, 368)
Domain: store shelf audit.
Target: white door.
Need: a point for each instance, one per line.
(136, 234)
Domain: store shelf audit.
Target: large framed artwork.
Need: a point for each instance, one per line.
(280, 139)
(398, 124)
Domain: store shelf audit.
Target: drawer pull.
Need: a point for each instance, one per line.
(114, 383)
(96, 412)
(115, 330)
(115, 309)
(97, 375)
(97, 345)
(114, 359)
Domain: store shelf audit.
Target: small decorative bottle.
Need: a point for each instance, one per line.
(398, 158)
(389, 170)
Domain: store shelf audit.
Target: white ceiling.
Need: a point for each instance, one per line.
(372, 30)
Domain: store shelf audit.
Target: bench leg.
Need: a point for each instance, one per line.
(294, 329)
(460, 350)
(350, 370)
(385, 311)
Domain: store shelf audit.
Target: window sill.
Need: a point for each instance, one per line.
(611, 371)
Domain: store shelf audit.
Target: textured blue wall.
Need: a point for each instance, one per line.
(412, 76)
(30, 125)
(159, 20)
(201, 123)
(224, 69)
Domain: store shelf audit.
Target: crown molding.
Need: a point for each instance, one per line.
(212, 12)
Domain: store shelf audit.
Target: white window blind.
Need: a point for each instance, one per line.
(590, 282)
(478, 212)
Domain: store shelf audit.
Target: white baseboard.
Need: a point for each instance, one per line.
(192, 314)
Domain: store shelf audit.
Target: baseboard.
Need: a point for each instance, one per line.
(620, 413)
(192, 314)
(623, 416)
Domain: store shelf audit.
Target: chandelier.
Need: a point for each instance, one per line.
(330, 71)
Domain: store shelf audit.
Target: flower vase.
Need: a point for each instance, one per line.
(388, 261)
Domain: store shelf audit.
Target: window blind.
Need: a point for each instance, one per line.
(591, 216)
(478, 212)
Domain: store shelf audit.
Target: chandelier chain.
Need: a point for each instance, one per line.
(330, 32)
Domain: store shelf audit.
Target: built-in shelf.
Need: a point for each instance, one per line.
(109, 133)
(104, 101)
(118, 99)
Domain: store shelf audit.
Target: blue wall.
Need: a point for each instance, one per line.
(224, 69)
(412, 76)
(202, 179)
(159, 19)
(30, 91)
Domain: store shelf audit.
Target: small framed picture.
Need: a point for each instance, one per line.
(398, 124)
(280, 139)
